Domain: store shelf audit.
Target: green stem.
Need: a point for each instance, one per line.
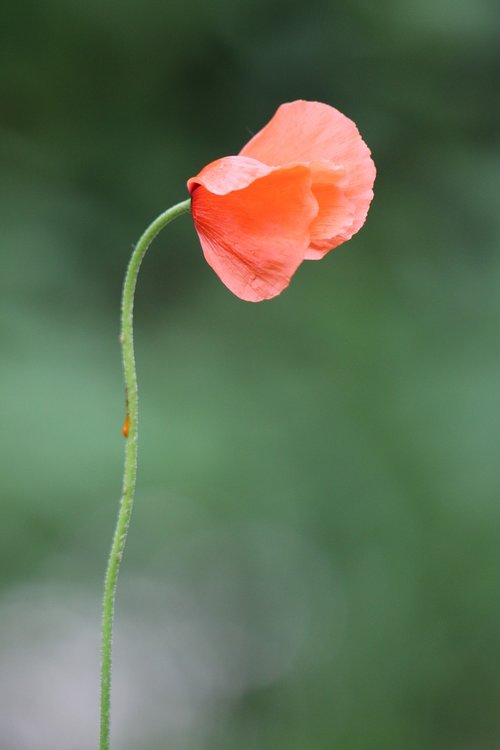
(130, 469)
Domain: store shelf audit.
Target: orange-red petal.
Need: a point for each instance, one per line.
(230, 173)
(312, 132)
(336, 210)
(253, 223)
(303, 131)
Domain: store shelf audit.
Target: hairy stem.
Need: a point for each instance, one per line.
(130, 468)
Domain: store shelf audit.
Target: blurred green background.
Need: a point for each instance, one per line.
(313, 560)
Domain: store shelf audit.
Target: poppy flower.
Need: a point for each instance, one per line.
(300, 187)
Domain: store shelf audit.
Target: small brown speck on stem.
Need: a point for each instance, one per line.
(126, 426)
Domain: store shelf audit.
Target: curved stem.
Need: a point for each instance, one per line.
(130, 469)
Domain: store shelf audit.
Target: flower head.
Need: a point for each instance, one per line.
(300, 187)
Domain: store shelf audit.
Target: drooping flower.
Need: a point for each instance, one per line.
(300, 187)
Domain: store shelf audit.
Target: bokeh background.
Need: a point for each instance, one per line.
(314, 554)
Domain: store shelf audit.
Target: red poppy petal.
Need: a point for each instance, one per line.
(309, 132)
(303, 131)
(336, 211)
(256, 237)
(229, 173)
(341, 214)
